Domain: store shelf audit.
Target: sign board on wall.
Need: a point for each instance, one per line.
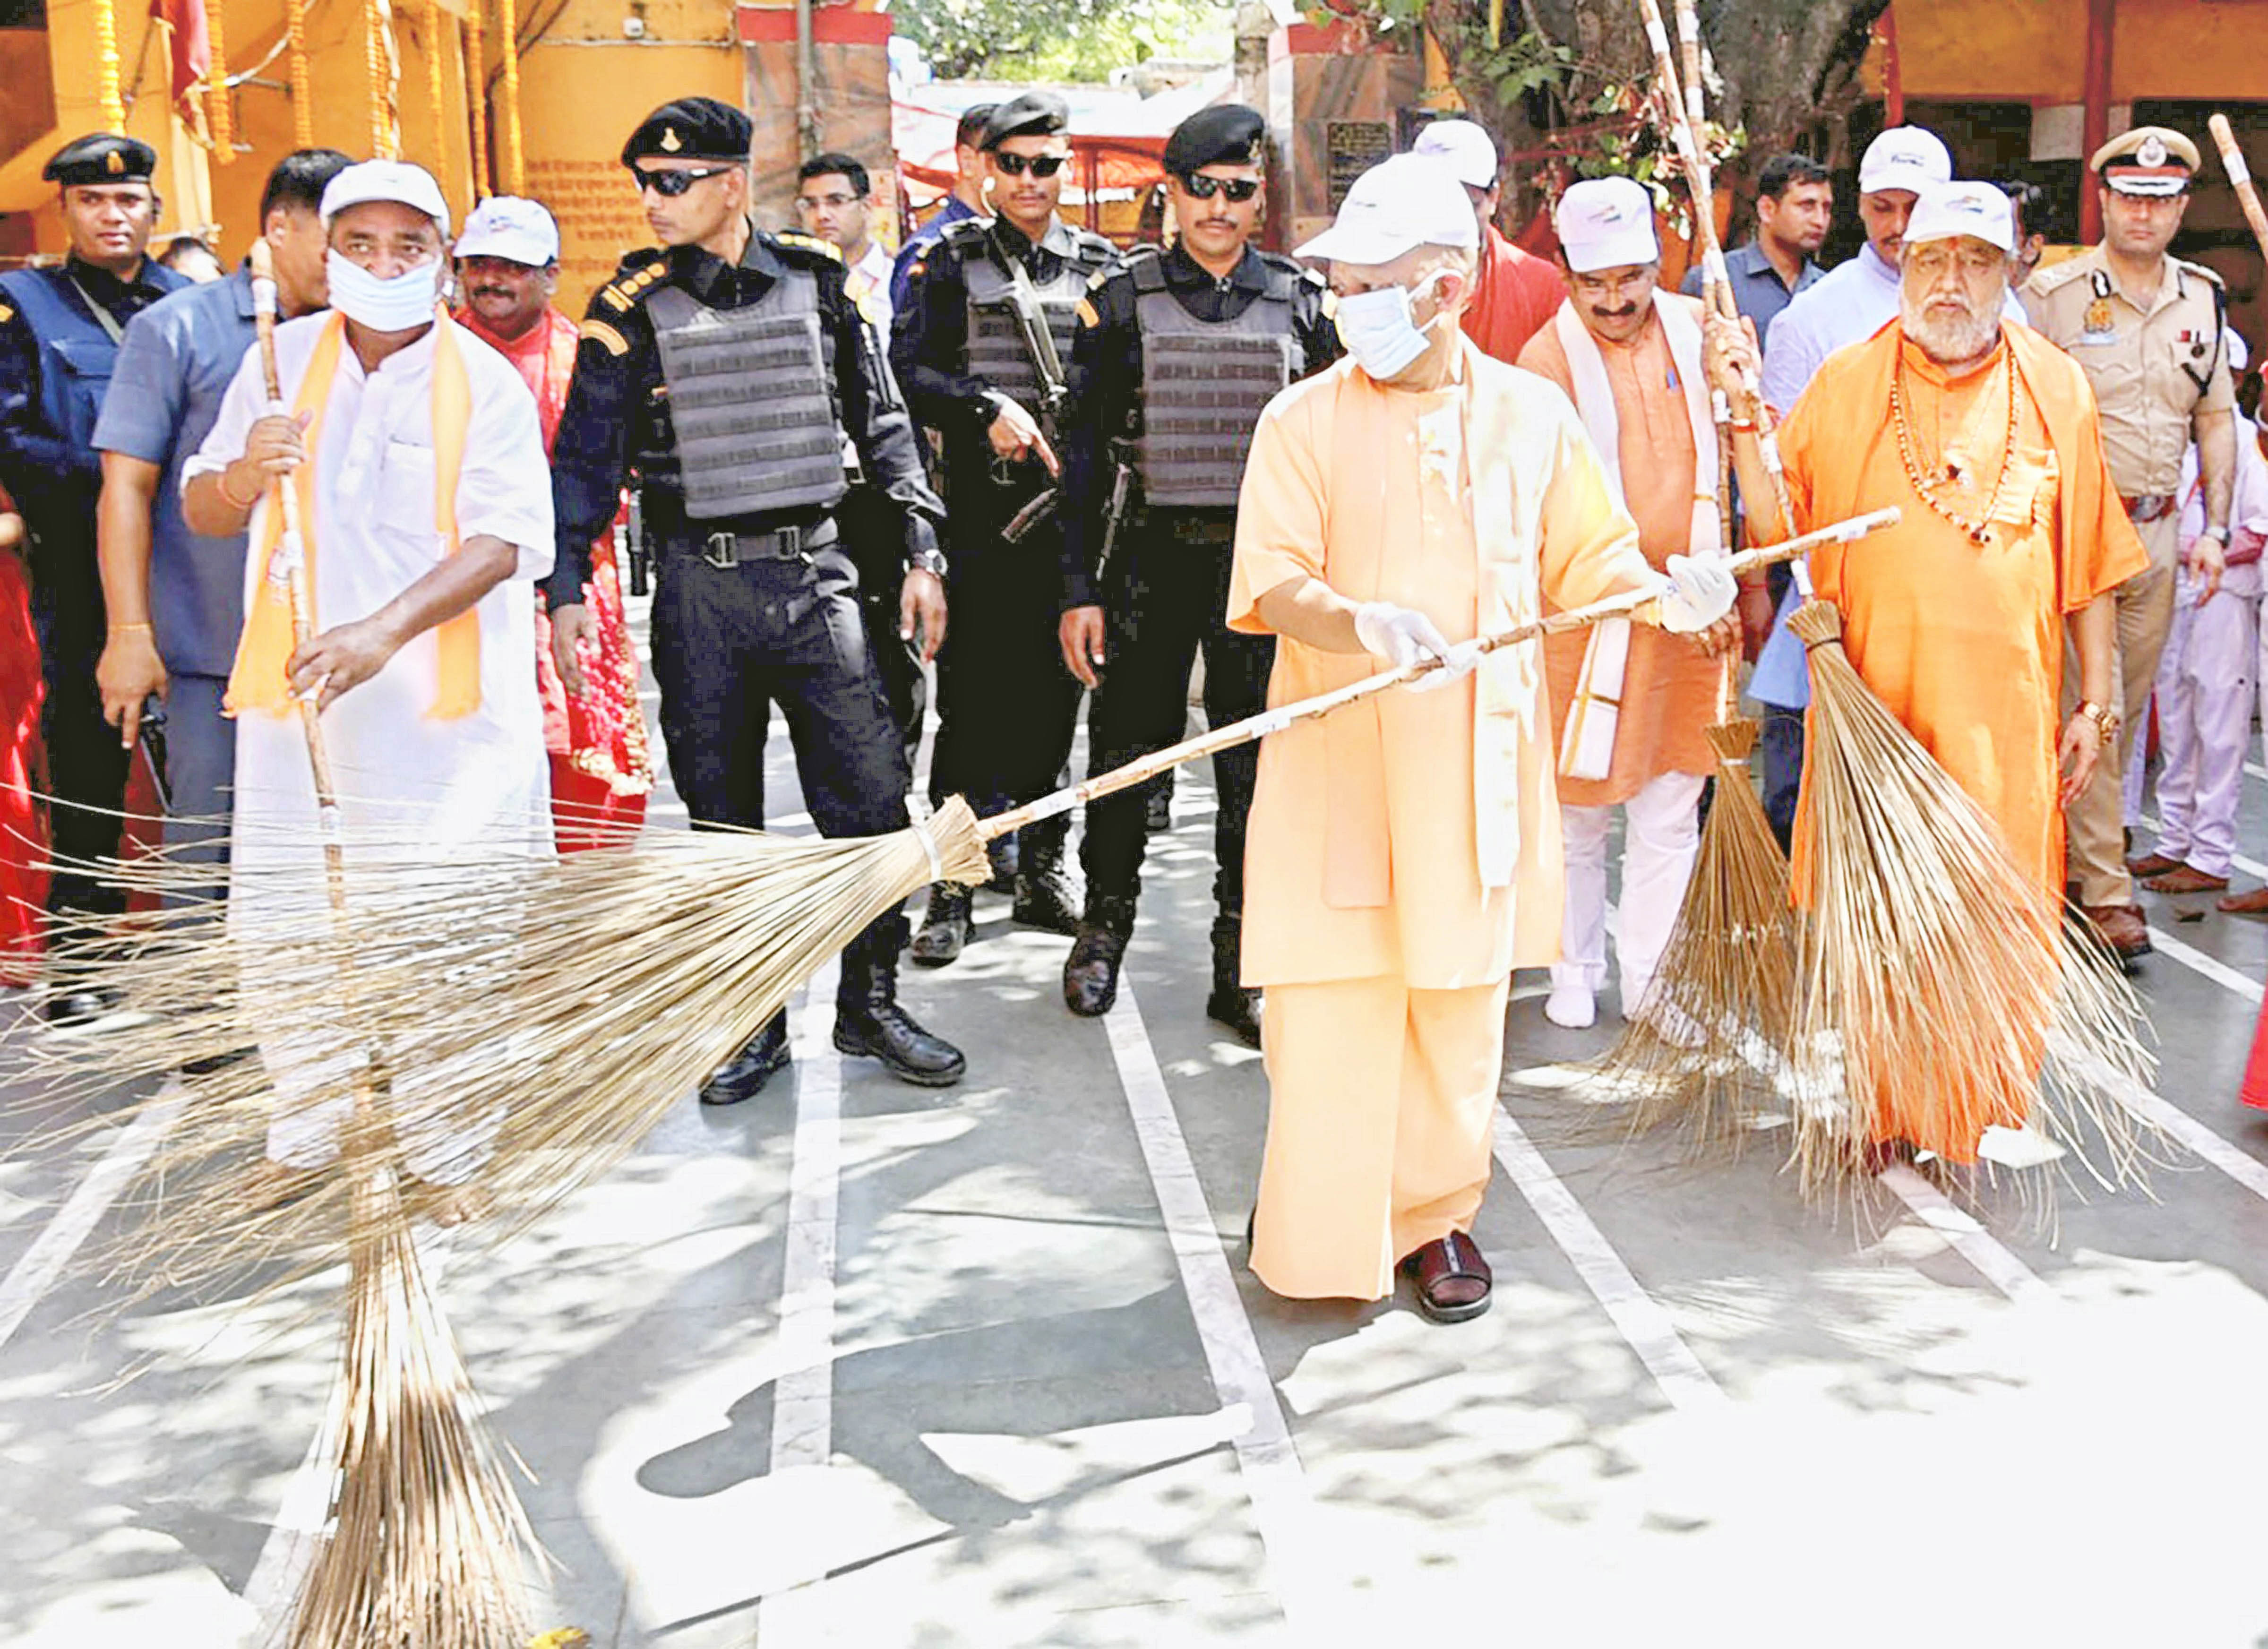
(1351, 147)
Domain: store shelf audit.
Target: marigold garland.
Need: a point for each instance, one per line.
(476, 99)
(508, 27)
(303, 90)
(217, 121)
(105, 67)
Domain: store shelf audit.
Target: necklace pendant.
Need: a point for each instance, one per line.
(1980, 534)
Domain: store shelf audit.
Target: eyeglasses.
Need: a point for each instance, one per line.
(1237, 189)
(671, 183)
(1038, 166)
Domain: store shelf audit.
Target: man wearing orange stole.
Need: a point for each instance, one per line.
(1986, 436)
(507, 270)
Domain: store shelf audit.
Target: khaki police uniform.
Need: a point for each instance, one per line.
(2154, 367)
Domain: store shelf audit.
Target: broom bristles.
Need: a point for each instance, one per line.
(527, 1020)
(1941, 992)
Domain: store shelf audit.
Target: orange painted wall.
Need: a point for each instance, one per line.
(2031, 51)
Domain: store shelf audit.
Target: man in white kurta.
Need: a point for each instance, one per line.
(424, 624)
(1403, 852)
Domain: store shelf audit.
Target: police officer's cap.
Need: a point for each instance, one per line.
(1226, 135)
(100, 158)
(1027, 114)
(691, 129)
(2148, 160)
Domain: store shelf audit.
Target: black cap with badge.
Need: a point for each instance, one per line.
(100, 158)
(1027, 114)
(691, 129)
(1227, 134)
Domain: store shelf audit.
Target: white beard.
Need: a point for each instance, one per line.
(1951, 341)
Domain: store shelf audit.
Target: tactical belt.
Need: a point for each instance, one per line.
(727, 550)
(2149, 506)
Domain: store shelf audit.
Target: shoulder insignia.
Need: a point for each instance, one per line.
(1086, 314)
(916, 267)
(600, 333)
(6, 314)
(2062, 274)
(625, 290)
(809, 243)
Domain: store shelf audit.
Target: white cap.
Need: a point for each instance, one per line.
(1908, 157)
(508, 227)
(1946, 211)
(1403, 202)
(395, 180)
(1467, 147)
(1606, 224)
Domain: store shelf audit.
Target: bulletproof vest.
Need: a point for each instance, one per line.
(996, 346)
(1204, 385)
(75, 354)
(751, 400)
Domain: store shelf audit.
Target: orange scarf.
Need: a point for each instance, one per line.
(261, 679)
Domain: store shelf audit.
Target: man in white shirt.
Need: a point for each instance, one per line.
(835, 200)
(426, 503)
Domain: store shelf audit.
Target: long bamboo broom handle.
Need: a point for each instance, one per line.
(1271, 721)
(1718, 297)
(292, 551)
(1716, 279)
(2232, 158)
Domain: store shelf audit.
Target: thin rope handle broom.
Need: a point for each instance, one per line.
(426, 1532)
(633, 973)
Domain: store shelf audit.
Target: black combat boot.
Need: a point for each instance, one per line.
(1044, 895)
(1090, 981)
(1230, 1002)
(744, 1077)
(869, 1021)
(1000, 853)
(945, 927)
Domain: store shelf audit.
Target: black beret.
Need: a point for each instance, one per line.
(1027, 114)
(691, 129)
(1227, 134)
(100, 158)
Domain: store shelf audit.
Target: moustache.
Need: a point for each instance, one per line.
(1622, 313)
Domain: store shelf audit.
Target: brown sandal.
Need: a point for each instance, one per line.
(1452, 1279)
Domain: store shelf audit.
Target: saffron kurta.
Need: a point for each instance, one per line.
(1403, 853)
(1963, 642)
(1669, 686)
(600, 765)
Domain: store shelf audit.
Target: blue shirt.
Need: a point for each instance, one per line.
(174, 365)
(1758, 293)
(918, 243)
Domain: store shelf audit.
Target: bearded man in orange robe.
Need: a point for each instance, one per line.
(507, 270)
(1986, 436)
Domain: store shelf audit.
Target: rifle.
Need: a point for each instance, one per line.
(641, 554)
(1122, 501)
(1024, 307)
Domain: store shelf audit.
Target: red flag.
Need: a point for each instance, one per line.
(184, 22)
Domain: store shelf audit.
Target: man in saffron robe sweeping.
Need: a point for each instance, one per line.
(594, 729)
(1403, 853)
(1986, 436)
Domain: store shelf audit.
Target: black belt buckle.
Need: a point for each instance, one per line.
(722, 551)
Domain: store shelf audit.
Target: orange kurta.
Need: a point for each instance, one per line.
(1963, 642)
(1515, 294)
(1417, 835)
(1669, 686)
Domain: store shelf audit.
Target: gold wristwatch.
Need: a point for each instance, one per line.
(2107, 721)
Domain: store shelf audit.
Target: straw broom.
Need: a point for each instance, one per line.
(1942, 991)
(1727, 979)
(628, 974)
(426, 1533)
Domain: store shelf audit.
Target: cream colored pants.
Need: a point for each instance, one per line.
(2095, 824)
(1381, 1101)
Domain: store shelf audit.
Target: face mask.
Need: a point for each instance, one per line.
(1377, 331)
(383, 305)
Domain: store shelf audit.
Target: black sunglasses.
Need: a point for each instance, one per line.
(1038, 166)
(673, 183)
(1237, 189)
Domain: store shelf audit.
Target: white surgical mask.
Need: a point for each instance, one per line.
(397, 305)
(1377, 331)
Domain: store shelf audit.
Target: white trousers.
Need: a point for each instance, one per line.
(1661, 831)
(2204, 691)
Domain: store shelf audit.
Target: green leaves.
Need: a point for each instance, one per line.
(1063, 40)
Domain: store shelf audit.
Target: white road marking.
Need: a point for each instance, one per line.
(29, 1279)
(1966, 1237)
(2211, 967)
(1267, 1457)
(803, 1394)
(1642, 1322)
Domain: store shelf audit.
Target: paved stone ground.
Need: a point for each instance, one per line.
(860, 1364)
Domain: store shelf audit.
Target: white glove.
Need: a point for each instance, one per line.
(1697, 591)
(1398, 635)
(1459, 662)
